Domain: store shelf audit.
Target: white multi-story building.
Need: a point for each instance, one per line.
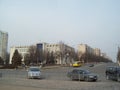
(57, 48)
(46, 47)
(23, 50)
(3, 44)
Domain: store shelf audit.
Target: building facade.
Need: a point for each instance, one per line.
(97, 52)
(3, 45)
(61, 51)
(23, 50)
(84, 48)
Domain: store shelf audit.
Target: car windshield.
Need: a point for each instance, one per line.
(87, 72)
(34, 69)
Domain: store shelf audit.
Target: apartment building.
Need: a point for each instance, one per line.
(97, 52)
(3, 44)
(84, 48)
(57, 48)
(23, 50)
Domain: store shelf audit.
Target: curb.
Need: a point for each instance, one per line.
(50, 67)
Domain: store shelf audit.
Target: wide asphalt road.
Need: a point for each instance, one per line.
(54, 78)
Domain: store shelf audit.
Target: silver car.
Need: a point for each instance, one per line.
(34, 72)
(81, 74)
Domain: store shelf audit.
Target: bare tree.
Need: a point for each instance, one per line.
(87, 57)
(32, 51)
(118, 56)
(34, 56)
(62, 51)
(30, 56)
(1, 61)
(27, 59)
(7, 58)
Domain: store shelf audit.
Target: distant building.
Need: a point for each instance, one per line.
(57, 49)
(23, 50)
(97, 51)
(84, 48)
(3, 45)
(42, 46)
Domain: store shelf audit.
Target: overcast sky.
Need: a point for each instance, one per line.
(92, 22)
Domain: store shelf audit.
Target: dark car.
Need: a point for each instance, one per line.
(81, 74)
(91, 65)
(113, 73)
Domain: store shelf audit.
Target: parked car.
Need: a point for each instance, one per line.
(113, 73)
(34, 72)
(77, 64)
(81, 74)
(91, 65)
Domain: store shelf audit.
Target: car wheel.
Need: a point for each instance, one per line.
(107, 77)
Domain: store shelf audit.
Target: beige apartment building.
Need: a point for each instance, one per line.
(97, 52)
(58, 49)
(23, 50)
(84, 48)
